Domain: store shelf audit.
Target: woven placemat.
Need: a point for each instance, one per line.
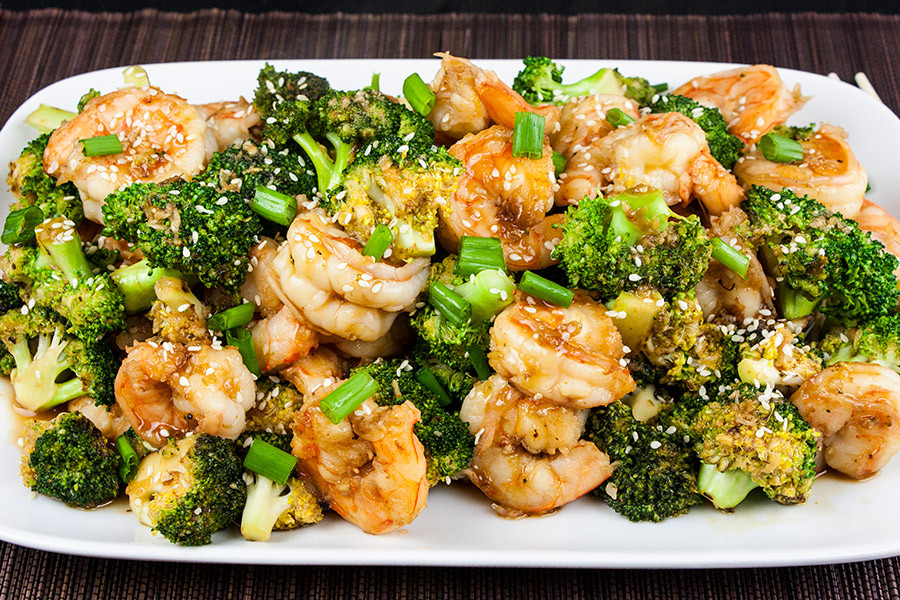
(40, 47)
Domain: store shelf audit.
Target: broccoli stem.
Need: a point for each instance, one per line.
(137, 281)
(794, 303)
(61, 245)
(264, 505)
(488, 292)
(34, 380)
(66, 391)
(725, 489)
(603, 81)
(328, 171)
(47, 118)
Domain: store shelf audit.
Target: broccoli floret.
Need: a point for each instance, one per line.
(64, 281)
(876, 341)
(244, 168)
(822, 260)
(178, 315)
(32, 187)
(60, 367)
(9, 297)
(271, 505)
(449, 446)
(189, 489)
(724, 147)
(70, 460)
(541, 82)
(276, 404)
(276, 87)
(656, 473)
(458, 384)
(794, 132)
(397, 185)
(758, 432)
(87, 97)
(612, 245)
(689, 351)
(777, 360)
(186, 226)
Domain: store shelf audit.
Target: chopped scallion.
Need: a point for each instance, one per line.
(350, 394)
(479, 253)
(479, 362)
(380, 240)
(240, 338)
(426, 377)
(729, 256)
(376, 82)
(20, 224)
(419, 96)
(103, 145)
(546, 290)
(270, 462)
(618, 118)
(559, 163)
(274, 206)
(528, 135)
(449, 304)
(660, 87)
(128, 459)
(237, 316)
(778, 148)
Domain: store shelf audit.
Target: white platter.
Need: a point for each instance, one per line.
(843, 521)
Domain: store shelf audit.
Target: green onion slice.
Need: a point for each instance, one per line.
(479, 253)
(274, 206)
(103, 145)
(350, 394)
(237, 316)
(479, 362)
(778, 148)
(270, 462)
(419, 96)
(546, 290)
(128, 459)
(528, 135)
(618, 118)
(429, 381)
(729, 256)
(20, 224)
(380, 240)
(660, 87)
(47, 118)
(240, 338)
(449, 304)
(559, 163)
(136, 75)
(376, 82)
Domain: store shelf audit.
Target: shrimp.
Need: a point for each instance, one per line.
(503, 196)
(326, 278)
(828, 172)
(567, 356)
(281, 339)
(469, 100)
(883, 226)
(319, 368)
(108, 419)
(752, 99)
(669, 152)
(162, 137)
(169, 390)
(393, 343)
(230, 121)
(262, 285)
(370, 466)
(582, 123)
(856, 407)
(529, 457)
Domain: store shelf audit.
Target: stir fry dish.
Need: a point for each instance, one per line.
(247, 313)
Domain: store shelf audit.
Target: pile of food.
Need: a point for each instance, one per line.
(247, 313)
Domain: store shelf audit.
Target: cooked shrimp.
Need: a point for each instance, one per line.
(529, 457)
(669, 152)
(168, 390)
(281, 339)
(370, 466)
(393, 343)
(321, 367)
(230, 121)
(502, 196)
(108, 419)
(582, 123)
(262, 285)
(883, 226)
(829, 172)
(752, 99)
(567, 356)
(856, 406)
(723, 292)
(162, 137)
(469, 100)
(340, 291)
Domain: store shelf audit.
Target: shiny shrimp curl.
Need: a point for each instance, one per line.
(568, 356)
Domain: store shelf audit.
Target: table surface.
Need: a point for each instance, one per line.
(40, 47)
